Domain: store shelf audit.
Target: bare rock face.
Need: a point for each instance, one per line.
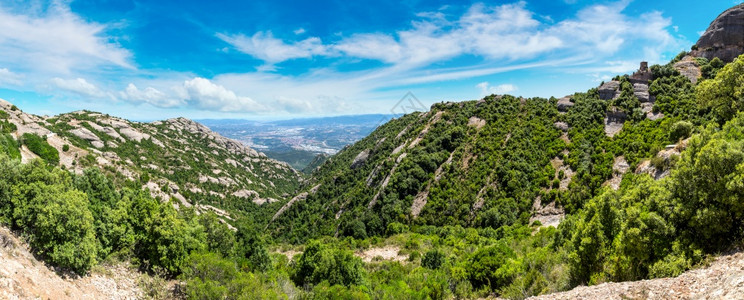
(724, 38)
(609, 90)
(614, 121)
(87, 135)
(134, 134)
(360, 159)
(640, 90)
(689, 68)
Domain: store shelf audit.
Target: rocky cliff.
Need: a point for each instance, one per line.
(724, 38)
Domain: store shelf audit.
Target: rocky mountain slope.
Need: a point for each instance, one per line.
(723, 278)
(22, 276)
(175, 158)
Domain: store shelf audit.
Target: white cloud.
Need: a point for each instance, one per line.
(264, 46)
(506, 32)
(204, 94)
(150, 95)
(79, 86)
(54, 40)
(372, 46)
(299, 31)
(8, 77)
(487, 89)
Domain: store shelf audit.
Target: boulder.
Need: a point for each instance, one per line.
(133, 134)
(562, 126)
(564, 104)
(107, 130)
(724, 38)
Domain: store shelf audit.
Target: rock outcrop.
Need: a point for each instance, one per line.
(564, 104)
(609, 90)
(689, 68)
(614, 121)
(724, 38)
(360, 159)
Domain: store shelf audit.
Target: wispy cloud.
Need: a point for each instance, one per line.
(505, 32)
(264, 46)
(79, 86)
(8, 77)
(55, 40)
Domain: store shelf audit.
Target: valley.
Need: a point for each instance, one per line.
(299, 141)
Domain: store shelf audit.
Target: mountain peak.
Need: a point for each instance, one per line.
(724, 38)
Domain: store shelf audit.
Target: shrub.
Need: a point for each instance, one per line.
(680, 130)
(433, 259)
(396, 228)
(64, 230)
(319, 263)
(493, 266)
(66, 148)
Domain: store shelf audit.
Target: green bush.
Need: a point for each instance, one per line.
(7, 127)
(66, 147)
(680, 130)
(9, 146)
(319, 263)
(63, 229)
(433, 259)
(396, 228)
(40, 146)
(492, 266)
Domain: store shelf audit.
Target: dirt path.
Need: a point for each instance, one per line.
(385, 253)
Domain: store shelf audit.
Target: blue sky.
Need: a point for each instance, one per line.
(148, 60)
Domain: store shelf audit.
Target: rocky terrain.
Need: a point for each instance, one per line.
(722, 279)
(22, 276)
(175, 159)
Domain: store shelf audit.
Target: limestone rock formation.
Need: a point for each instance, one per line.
(614, 121)
(87, 135)
(360, 159)
(609, 90)
(689, 68)
(724, 38)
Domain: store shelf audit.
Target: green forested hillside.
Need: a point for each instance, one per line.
(483, 163)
